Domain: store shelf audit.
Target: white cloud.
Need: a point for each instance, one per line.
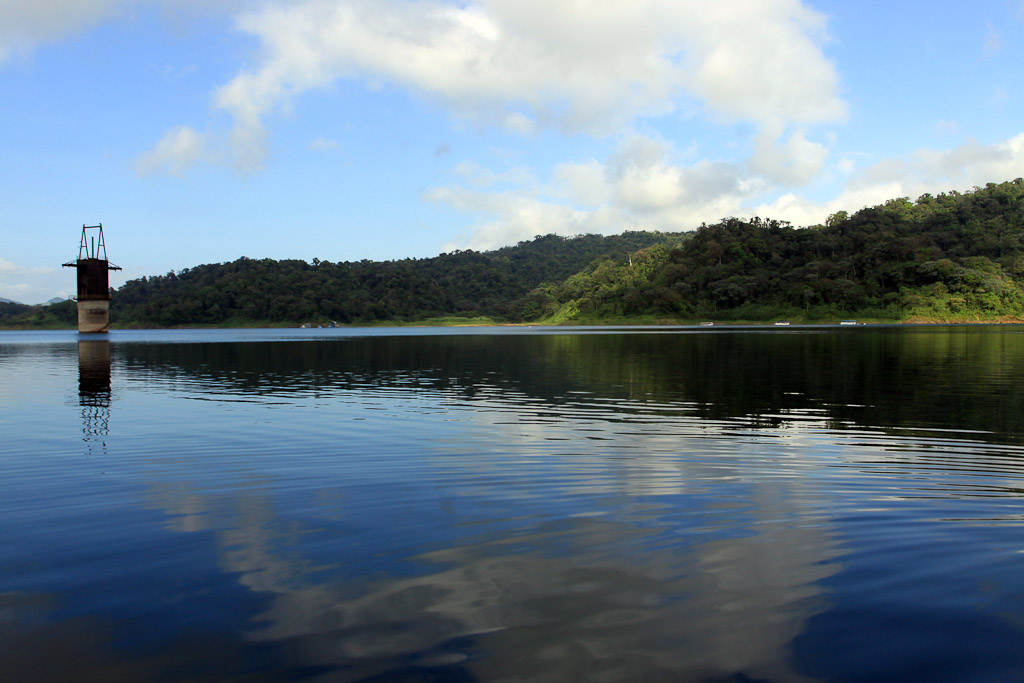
(585, 183)
(846, 166)
(23, 25)
(927, 170)
(642, 185)
(649, 187)
(647, 180)
(26, 24)
(761, 61)
(520, 123)
(29, 285)
(516, 216)
(801, 211)
(8, 268)
(481, 177)
(530, 64)
(178, 150)
(970, 164)
(792, 163)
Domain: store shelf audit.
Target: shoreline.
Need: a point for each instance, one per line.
(640, 322)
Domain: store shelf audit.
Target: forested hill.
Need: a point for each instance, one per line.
(951, 257)
(462, 283)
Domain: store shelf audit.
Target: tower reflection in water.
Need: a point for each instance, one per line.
(94, 392)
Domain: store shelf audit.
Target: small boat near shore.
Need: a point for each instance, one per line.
(781, 323)
(847, 322)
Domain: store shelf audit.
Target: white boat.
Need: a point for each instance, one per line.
(847, 322)
(707, 324)
(781, 323)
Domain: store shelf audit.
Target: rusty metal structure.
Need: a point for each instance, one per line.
(93, 280)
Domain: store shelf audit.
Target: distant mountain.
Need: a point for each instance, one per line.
(9, 301)
(54, 300)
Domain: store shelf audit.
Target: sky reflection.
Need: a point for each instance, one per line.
(488, 511)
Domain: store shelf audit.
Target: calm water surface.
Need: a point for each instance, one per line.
(513, 504)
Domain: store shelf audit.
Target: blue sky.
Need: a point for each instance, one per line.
(202, 131)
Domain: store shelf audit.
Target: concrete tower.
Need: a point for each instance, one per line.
(93, 281)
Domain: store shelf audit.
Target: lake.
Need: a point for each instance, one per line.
(543, 504)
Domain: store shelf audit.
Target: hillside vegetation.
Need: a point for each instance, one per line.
(951, 257)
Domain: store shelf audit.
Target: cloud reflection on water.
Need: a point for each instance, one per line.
(497, 511)
(591, 564)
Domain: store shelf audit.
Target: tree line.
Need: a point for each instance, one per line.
(954, 256)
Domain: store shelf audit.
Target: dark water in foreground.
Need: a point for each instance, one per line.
(526, 504)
